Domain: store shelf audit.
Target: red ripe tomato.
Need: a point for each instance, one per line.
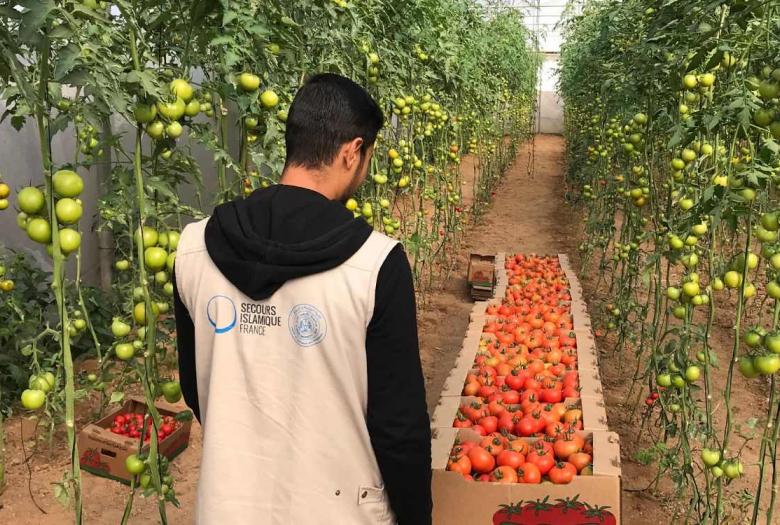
(551, 395)
(479, 429)
(560, 474)
(496, 408)
(492, 444)
(119, 419)
(489, 423)
(167, 428)
(482, 461)
(510, 458)
(461, 464)
(514, 381)
(580, 460)
(529, 473)
(506, 422)
(525, 427)
(565, 446)
(542, 459)
(461, 421)
(512, 397)
(504, 475)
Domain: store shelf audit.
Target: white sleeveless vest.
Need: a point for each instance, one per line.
(282, 386)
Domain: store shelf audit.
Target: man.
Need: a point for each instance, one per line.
(297, 339)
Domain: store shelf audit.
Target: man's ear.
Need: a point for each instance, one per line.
(352, 153)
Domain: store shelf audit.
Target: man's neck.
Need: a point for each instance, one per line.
(311, 179)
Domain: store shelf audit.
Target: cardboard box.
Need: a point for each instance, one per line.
(587, 500)
(103, 453)
(594, 415)
(482, 270)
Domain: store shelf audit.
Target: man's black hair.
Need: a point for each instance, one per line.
(329, 111)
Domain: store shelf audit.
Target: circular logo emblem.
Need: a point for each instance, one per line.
(307, 325)
(221, 313)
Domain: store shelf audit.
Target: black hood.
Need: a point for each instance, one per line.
(281, 233)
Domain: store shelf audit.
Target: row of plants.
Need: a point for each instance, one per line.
(672, 131)
(144, 88)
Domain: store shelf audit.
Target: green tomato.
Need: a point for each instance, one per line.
(732, 469)
(710, 457)
(124, 351)
(691, 289)
(33, 399)
(772, 342)
(150, 236)
(673, 293)
(122, 265)
(269, 99)
(31, 200)
(119, 328)
(134, 465)
(732, 279)
(168, 289)
(182, 89)
(693, 373)
(155, 129)
(38, 382)
(769, 221)
(746, 367)
(144, 113)
(70, 240)
(174, 130)
(752, 338)
(171, 391)
(67, 183)
(170, 261)
(39, 230)
(68, 211)
(161, 277)
(773, 289)
(766, 364)
(678, 381)
(172, 110)
(173, 239)
(192, 108)
(248, 81)
(664, 380)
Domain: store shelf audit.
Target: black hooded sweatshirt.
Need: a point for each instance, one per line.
(285, 232)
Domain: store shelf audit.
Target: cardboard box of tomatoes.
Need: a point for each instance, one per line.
(592, 496)
(105, 444)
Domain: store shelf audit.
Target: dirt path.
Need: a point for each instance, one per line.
(528, 215)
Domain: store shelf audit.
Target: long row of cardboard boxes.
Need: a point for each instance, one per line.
(464, 491)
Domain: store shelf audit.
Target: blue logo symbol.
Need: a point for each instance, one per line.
(221, 312)
(307, 325)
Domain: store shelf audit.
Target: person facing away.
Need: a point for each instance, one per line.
(297, 339)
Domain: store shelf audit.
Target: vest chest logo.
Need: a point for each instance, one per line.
(221, 313)
(307, 325)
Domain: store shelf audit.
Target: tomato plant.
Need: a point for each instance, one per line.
(672, 143)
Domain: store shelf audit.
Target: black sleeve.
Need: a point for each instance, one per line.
(397, 413)
(185, 343)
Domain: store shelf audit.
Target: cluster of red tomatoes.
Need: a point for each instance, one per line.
(523, 374)
(132, 424)
(500, 458)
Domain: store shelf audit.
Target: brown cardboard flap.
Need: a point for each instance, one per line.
(594, 414)
(606, 453)
(441, 446)
(445, 411)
